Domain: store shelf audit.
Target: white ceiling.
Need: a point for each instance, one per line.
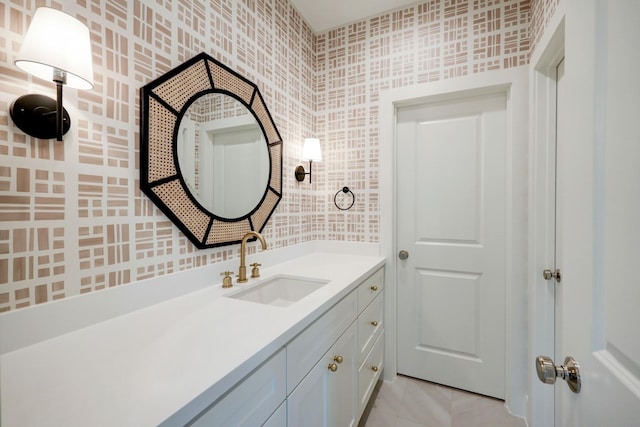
(326, 14)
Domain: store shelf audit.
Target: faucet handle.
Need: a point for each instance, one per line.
(226, 282)
(255, 271)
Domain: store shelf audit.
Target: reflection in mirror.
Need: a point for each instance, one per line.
(223, 156)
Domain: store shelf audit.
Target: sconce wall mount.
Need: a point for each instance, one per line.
(301, 173)
(36, 115)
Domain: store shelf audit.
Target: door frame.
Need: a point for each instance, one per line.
(514, 83)
(549, 52)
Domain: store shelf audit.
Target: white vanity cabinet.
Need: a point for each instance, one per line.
(323, 377)
(253, 400)
(191, 353)
(336, 390)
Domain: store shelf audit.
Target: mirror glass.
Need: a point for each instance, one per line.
(223, 156)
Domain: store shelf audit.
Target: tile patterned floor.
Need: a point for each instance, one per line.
(408, 402)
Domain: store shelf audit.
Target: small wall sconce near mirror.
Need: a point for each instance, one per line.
(310, 152)
(56, 47)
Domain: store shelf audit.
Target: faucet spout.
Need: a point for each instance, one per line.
(242, 272)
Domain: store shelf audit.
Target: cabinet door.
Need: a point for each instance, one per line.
(304, 351)
(279, 418)
(326, 398)
(253, 400)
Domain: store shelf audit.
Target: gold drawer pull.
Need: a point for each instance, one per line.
(374, 368)
(338, 359)
(374, 288)
(333, 367)
(374, 323)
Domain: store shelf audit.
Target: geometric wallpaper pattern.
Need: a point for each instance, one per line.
(72, 217)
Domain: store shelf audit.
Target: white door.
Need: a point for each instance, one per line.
(451, 173)
(598, 199)
(232, 193)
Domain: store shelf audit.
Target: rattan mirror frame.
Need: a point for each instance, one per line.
(163, 103)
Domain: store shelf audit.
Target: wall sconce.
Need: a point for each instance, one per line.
(310, 152)
(56, 47)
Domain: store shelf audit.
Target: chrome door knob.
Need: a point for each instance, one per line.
(546, 370)
(570, 372)
(403, 254)
(549, 274)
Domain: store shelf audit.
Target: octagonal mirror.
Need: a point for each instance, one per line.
(211, 155)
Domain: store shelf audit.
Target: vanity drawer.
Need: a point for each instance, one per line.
(370, 288)
(369, 373)
(253, 400)
(304, 351)
(370, 323)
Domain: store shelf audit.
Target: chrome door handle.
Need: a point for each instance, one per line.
(570, 372)
(403, 254)
(548, 275)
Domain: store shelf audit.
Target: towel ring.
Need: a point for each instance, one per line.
(344, 190)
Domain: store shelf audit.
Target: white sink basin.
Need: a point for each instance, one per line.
(280, 291)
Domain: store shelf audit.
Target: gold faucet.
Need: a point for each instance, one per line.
(242, 273)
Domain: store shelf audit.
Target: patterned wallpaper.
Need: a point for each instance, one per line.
(427, 42)
(541, 13)
(72, 217)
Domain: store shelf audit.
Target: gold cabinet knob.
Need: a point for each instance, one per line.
(333, 367)
(338, 359)
(374, 323)
(374, 288)
(374, 368)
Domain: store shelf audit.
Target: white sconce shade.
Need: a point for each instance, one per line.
(57, 41)
(311, 153)
(311, 150)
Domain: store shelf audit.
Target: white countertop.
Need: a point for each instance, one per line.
(139, 368)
